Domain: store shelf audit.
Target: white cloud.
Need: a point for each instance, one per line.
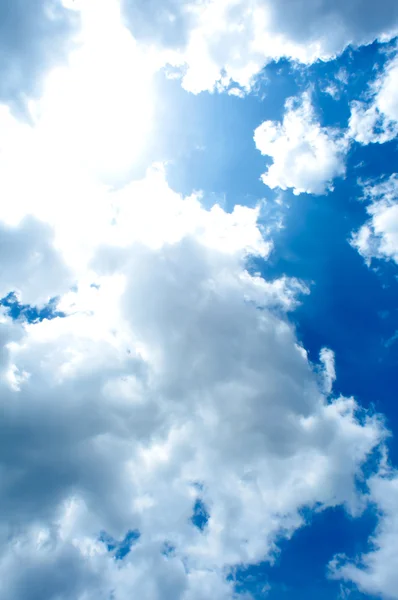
(378, 237)
(376, 121)
(306, 156)
(342, 76)
(329, 371)
(179, 367)
(177, 376)
(30, 265)
(375, 572)
(335, 86)
(333, 90)
(33, 37)
(217, 41)
(86, 131)
(99, 108)
(212, 43)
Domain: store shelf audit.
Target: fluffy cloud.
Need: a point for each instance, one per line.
(33, 37)
(85, 131)
(327, 359)
(219, 41)
(306, 156)
(378, 237)
(30, 265)
(177, 377)
(376, 121)
(336, 85)
(375, 572)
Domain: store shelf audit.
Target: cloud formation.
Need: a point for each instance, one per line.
(375, 572)
(30, 265)
(376, 120)
(306, 156)
(378, 237)
(34, 36)
(216, 42)
(177, 377)
(174, 377)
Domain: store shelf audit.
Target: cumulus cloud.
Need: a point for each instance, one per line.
(378, 237)
(30, 265)
(174, 376)
(216, 42)
(376, 120)
(177, 378)
(85, 132)
(34, 36)
(327, 359)
(375, 572)
(336, 85)
(306, 156)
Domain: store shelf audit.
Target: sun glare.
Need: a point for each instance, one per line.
(98, 110)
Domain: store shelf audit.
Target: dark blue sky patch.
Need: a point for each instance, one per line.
(361, 67)
(200, 515)
(31, 314)
(120, 549)
(373, 161)
(301, 567)
(369, 468)
(351, 309)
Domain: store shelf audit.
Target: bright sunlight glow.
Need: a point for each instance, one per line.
(97, 110)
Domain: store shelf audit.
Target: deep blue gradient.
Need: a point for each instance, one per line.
(300, 569)
(352, 309)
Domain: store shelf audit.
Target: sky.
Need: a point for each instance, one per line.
(198, 300)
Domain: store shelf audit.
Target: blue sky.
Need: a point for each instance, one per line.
(199, 249)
